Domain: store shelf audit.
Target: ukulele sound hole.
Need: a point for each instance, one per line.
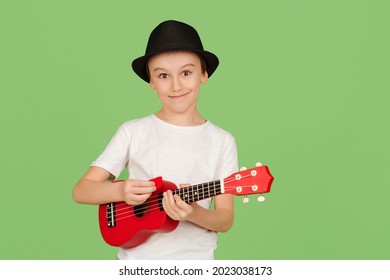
(140, 210)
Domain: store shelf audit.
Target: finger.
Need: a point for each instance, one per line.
(175, 205)
(139, 187)
(178, 201)
(136, 199)
(167, 207)
(140, 183)
(136, 196)
(170, 200)
(142, 190)
(184, 209)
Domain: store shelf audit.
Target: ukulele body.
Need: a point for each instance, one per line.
(128, 226)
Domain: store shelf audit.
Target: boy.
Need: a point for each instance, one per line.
(176, 143)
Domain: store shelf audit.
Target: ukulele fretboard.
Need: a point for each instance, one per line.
(199, 192)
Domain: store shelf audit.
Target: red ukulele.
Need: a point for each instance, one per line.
(128, 226)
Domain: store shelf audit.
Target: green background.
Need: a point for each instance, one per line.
(302, 85)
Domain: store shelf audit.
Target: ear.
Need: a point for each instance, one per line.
(204, 77)
(151, 84)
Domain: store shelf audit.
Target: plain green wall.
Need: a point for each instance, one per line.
(303, 86)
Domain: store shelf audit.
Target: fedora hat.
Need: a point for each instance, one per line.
(169, 36)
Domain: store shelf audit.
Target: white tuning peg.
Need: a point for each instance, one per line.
(261, 198)
(258, 164)
(243, 168)
(245, 199)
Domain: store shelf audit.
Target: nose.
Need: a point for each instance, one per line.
(176, 84)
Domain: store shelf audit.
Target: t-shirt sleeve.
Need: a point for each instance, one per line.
(115, 156)
(228, 158)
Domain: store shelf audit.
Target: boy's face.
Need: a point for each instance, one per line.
(177, 77)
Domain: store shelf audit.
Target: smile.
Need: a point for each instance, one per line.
(178, 96)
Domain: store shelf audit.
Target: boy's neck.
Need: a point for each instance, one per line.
(184, 119)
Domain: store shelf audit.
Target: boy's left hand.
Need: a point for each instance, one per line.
(175, 207)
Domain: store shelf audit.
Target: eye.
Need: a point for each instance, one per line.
(163, 76)
(186, 73)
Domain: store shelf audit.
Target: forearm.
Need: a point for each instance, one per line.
(219, 220)
(91, 192)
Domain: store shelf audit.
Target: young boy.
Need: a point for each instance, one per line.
(176, 143)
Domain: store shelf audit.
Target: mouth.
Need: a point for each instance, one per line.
(178, 96)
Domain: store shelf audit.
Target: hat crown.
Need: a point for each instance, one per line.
(173, 35)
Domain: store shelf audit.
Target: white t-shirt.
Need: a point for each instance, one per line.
(149, 148)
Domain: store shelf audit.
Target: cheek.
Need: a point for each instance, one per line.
(160, 94)
(160, 87)
(193, 83)
(196, 86)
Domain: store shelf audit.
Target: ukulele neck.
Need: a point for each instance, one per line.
(200, 191)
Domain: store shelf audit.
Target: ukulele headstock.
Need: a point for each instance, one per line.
(257, 180)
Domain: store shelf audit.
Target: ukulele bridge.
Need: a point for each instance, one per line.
(111, 214)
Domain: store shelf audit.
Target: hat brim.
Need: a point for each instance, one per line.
(139, 64)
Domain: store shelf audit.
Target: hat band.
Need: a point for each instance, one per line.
(171, 46)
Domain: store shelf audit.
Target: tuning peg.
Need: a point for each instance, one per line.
(261, 198)
(243, 168)
(245, 199)
(258, 164)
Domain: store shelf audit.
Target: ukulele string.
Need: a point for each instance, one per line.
(156, 198)
(125, 214)
(122, 211)
(152, 200)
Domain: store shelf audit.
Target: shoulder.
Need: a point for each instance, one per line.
(136, 124)
(128, 129)
(227, 162)
(219, 132)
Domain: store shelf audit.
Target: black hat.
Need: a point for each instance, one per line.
(173, 35)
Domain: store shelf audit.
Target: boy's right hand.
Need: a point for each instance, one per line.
(136, 192)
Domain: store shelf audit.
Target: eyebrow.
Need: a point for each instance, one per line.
(163, 69)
